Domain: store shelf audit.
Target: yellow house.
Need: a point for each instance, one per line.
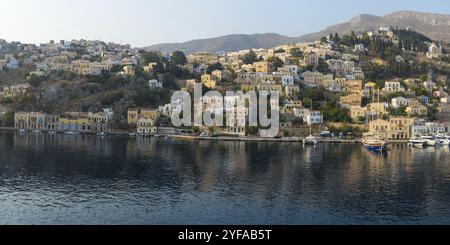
(21, 120)
(133, 114)
(292, 90)
(353, 99)
(357, 112)
(378, 107)
(218, 74)
(98, 121)
(209, 81)
(418, 110)
(262, 67)
(380, 128)
(149, 113)
(400, 128)
(128, 70)
(146, 126)
(74, 121)
(149, 68)
(248, 87)
(378, 62)
(352, 85)
(270, 87)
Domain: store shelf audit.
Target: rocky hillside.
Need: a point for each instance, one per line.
(435, 26)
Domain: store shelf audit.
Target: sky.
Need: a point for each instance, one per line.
(146, 22)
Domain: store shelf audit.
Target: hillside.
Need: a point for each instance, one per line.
(435, 26)
(225, 43)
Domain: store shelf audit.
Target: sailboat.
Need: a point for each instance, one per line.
(311, 139)
(372, 142)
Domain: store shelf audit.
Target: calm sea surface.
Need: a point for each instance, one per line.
(57, 179)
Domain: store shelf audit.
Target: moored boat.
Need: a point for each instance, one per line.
(429, 140)
(446, 141)
(373, 144)
(311, 140)
(72, 133)
(417, 143)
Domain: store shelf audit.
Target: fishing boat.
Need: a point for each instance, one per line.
(372, 143)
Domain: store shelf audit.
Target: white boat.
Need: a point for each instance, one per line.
(51, 132)
(372, 143)
(101, 134)
(429, 140)
(417, 142)
(72, 133)
(311, 140)
(22, 131)
(446, 141)
(36, 131)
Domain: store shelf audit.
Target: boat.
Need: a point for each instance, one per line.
(311, 140)
(36, 131)
(132, 134)
(374, 144)
(417, 143)
(429, 140)
(71, 133)
(446, 141)
(101, 134)
(51, 132)
(22, 131)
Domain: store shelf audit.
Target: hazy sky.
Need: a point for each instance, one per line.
(146, 22)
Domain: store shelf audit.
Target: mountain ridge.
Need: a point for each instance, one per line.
(435, 26)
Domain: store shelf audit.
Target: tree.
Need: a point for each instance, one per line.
(297, 53)
(150, 57)
(178, 58)
(322, 67)
(334, 113)
(250, 58)
(213, 67)
(8, 119)
(276, 62)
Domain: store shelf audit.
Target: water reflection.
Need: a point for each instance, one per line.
(58, 179)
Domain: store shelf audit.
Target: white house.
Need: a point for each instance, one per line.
(287, 80)
(393, 86)
(153, 84)
(434, 51)
(399, 102)
(429, 85)
(13, 64)
(313, 117)
(359, 47)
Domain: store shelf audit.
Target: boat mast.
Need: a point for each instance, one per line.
(310, 121)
